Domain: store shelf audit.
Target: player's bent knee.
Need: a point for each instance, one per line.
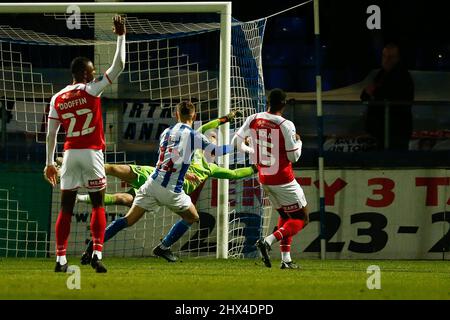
(196, 218)
(124, 199)
(191, 218)
(190, 215)
(134, 214)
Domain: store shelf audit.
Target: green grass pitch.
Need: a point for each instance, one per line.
(204, 279)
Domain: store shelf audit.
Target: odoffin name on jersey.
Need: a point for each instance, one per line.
(72, 103)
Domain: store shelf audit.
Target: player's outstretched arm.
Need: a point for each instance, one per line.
(213, 124)
(118, 64)
(201, 142)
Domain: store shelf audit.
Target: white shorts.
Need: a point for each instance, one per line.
(289, 197)
(151, 195)
(83, 168)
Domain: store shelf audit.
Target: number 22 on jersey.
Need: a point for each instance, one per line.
(74, 119)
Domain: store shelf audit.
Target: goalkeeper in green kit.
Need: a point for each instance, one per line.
(199, 171)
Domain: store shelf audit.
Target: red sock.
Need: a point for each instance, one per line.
(98, 225)
(285, 243)
(281, 222)
(290, 228)
(62, 229)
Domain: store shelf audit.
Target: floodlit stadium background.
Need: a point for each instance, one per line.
(408, 220)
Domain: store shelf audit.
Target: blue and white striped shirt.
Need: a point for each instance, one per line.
(176, 148)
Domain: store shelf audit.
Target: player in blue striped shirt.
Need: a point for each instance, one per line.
(165, 186)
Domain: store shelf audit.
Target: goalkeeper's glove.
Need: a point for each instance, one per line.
(231, 116)
(234, 114)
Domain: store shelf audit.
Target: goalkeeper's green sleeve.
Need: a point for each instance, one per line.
(210, 125)
(213, 124)
(233, 174)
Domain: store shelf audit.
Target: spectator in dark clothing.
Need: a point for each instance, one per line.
(393, 84)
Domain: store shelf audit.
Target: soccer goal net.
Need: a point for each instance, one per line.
(169, 57)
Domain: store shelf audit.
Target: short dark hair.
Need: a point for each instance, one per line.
(186, 108)
(79, 64)
(277, 99)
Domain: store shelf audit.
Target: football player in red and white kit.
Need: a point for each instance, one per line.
(77, 108)
(275, 146)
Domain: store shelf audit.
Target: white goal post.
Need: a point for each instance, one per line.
(222, 8)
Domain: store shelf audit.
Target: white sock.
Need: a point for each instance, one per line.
(98, 254)
(83, 198)
(61, 259)
(270, 239)
(286, 256)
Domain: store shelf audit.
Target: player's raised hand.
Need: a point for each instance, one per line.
(234, 114)
(50, 174)
(119, 25)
